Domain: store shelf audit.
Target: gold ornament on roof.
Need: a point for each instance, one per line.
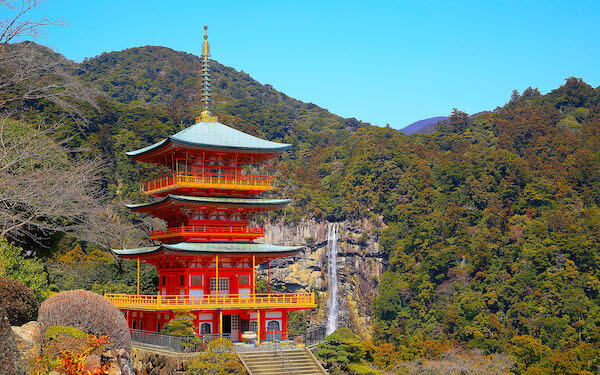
(205, 81)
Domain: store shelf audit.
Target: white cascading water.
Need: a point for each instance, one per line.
(332, 254)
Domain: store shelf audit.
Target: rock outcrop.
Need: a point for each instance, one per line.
(10, 361)
(360, 265)
(28, 338)
(146, 362)
(118, 362)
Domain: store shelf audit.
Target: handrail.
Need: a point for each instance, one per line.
(272, 335)
(178, 343)
(285, 362)
(212, 302)
(314, 335)
(210, 179)
(191, 229)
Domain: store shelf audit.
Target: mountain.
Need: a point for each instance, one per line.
(488, 229)
(154, 76)
(418, 125)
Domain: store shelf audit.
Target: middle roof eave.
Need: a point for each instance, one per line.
(213, 201)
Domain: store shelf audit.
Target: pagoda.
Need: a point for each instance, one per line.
(207, 256)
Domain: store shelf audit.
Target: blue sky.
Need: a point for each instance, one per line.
(384, 62)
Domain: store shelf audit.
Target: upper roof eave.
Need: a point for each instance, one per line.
(215, 136)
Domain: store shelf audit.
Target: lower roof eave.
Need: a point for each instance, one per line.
(200, 248)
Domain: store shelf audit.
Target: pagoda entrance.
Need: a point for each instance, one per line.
(231, 327)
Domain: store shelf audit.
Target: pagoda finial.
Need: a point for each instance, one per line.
(206, 115)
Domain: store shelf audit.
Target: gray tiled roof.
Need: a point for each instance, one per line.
(215, 201)
(214, 135)
(213, 248)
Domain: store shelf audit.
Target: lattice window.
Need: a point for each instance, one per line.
(244, 279)
(223, 284)
(235, 322)
(205, 328)
(196, 279)
(273, 325)
(253, 326)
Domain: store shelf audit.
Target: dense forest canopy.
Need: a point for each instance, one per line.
(491, 224)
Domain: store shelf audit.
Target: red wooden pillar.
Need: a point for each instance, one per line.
(263, 325)
(196, 321)
(216, 327)
(284, 319)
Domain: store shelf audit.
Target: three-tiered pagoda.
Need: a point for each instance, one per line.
(207, 257)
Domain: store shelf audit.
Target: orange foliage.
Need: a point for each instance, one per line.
(74, 363)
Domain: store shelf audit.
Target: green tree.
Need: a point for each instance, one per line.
(30, 272)
(182, 324)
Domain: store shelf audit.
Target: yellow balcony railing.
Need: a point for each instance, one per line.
(208, 231)
(212, 302)
(208, 181)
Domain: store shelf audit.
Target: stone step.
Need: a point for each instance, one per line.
(278, 365)
(294, 361)
(296, 352)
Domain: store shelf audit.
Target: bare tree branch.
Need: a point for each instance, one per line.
(29, 71)
(108, 227)
(18, 27)
(46, 186)
(42, 189)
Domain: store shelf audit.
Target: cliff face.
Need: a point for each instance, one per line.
(360, 265)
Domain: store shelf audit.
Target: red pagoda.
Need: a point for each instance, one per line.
(207, 257)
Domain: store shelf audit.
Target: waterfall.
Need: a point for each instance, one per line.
(332, 254)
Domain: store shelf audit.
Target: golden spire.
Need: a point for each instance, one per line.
(206, 115)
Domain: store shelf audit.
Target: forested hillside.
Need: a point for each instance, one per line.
(491, 224)
(160, 77)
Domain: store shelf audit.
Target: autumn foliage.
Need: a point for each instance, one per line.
(75, 362)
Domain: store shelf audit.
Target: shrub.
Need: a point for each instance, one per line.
(340, 349)
(19, 301)
(74, 363)
(59, 339)
(220, 358)
(88, 312)
(66, 350)
(56, 331)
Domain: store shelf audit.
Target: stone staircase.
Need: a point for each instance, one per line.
(279, 362)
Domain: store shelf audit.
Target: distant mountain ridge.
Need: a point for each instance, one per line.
(418, 125)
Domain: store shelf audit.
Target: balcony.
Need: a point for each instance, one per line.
(212, 302)
(246, 184)
(207, 233)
